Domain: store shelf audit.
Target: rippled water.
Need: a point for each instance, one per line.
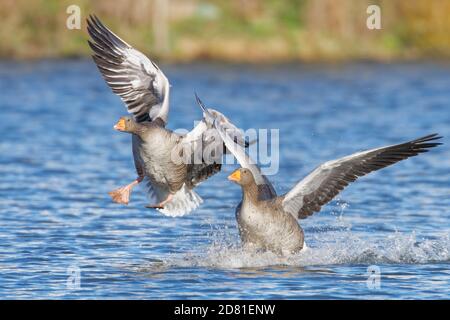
(59, 156)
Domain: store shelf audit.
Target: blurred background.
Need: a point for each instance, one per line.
(234, 30)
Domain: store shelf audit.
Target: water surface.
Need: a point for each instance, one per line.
(59, 156)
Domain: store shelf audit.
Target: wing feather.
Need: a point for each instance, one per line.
(234, 145)
(137, 80)
(326, 181)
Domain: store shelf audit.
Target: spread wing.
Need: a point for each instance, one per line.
(137, 80)
(226, 131)
(326, 181)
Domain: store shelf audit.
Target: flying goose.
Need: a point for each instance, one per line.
(269, 222)
(144, 89)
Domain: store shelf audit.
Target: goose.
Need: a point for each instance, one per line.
(144, 89)
(268, 222)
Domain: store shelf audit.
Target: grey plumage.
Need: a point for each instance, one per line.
(263, 224)
(268, 221)
(144, 89)
(325, 182)
(266, 190)
(138, 81)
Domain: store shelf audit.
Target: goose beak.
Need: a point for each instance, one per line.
(235, 176)
(120, 125)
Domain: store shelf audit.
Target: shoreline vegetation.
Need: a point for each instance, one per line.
(237, 31)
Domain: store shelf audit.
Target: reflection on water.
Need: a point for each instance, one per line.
(60, 157)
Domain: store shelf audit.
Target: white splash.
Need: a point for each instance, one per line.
(333, 248)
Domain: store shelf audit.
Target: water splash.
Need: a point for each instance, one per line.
(333, 248)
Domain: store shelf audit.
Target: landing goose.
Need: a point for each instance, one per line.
(144, 89)
(269, 222)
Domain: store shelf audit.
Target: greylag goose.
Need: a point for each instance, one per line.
(144, 89)
(269, 222)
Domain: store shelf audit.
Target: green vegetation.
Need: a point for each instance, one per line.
(234, 30)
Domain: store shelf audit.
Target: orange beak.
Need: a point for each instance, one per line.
(120, 125)
(235, 176)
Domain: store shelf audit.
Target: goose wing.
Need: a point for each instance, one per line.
(326, 181)
(236, 146)
(136, 79)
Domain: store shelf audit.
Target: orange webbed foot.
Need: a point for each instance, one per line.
(121, 195)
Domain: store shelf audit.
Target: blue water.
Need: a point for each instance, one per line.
(59, 156)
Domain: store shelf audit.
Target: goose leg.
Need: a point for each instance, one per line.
(161, 204)
(122, 194)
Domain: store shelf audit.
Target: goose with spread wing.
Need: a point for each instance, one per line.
(144, 89)
(269, 222)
